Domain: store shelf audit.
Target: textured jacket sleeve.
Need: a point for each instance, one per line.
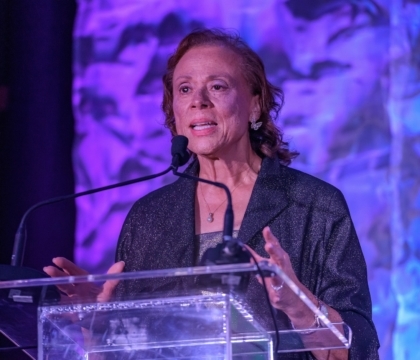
(344, 284)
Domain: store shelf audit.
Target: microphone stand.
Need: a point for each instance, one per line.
(231, 251)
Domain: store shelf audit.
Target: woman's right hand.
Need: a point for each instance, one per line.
(65, 267)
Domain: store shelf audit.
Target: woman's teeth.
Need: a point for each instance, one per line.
(203, 126)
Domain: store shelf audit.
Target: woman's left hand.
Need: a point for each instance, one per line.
(281, 296)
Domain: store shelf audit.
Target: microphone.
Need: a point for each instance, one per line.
(179, 151)
(231, 250)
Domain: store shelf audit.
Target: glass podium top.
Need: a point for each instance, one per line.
(206, 312)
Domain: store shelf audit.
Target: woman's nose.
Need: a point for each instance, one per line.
(201, 99)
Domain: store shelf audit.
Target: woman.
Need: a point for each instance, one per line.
(217, 95)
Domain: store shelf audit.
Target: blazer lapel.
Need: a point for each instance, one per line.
(181, 246)
(268, 199)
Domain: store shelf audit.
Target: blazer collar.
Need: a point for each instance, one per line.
(269, 197)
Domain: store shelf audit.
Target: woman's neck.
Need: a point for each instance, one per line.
(230, 171)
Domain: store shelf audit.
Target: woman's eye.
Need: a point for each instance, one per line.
(217, 87)
(184, 89)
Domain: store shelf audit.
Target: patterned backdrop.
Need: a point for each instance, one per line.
(350, 70)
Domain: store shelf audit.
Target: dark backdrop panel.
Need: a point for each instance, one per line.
(36, 129)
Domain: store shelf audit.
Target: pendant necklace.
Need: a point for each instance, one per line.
(210, 217)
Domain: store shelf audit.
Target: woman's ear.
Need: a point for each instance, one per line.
(255, 115)
(255, 107)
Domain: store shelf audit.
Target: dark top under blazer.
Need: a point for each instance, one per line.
(308, 216)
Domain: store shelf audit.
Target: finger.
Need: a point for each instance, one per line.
(109, 286)
(255, 256)
(270, 238)
(277, 281)
(69, 267)
(269, 282)
(116, 268)
(52, 271)
(272, 246)
(259, 258)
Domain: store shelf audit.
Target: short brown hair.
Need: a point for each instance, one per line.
(268, 139)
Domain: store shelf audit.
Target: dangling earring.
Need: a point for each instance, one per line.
(254, 124)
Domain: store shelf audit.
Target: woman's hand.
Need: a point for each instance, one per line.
(84, 290)
(281, 297)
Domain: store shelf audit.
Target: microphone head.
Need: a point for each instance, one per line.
(180, 154)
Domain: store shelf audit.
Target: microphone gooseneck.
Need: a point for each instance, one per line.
(180, 156)
(20, 237)
(231, 249)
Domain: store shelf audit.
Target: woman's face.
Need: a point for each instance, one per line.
(212, 101)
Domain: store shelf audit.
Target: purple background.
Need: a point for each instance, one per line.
(350, 73)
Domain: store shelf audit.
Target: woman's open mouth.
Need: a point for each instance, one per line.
(203, 125)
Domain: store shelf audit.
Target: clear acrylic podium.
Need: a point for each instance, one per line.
(208, 318)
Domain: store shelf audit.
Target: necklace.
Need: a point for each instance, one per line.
(210, 217)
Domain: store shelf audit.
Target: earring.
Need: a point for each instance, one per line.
(254, 124)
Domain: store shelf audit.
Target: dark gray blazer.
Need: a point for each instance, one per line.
(308, 216)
